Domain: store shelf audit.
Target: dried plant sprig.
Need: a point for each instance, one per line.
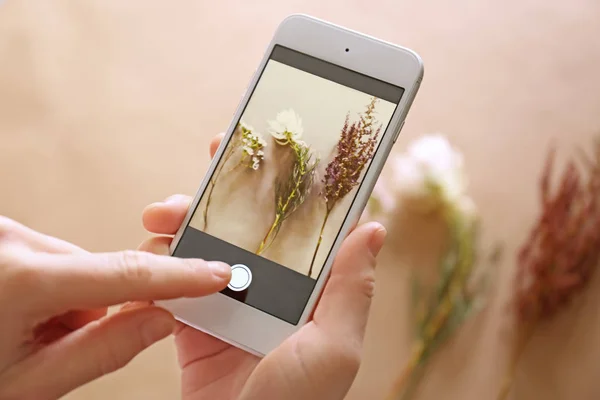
(354, 150)
(253, 146)
(213, 180)
(292, 190)
(430, 179)
(454, 299)
(244, 137)
(561, 253)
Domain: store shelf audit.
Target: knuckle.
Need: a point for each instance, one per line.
(346, 355)
(8, 227)
(360, 283)
(367, 285)
(18, 274)
(6, 223)
(134, 265)
(111, 357)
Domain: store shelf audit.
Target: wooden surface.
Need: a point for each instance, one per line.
(107, 105)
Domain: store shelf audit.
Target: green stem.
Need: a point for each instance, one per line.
(282, 211)
(510, 374)
(213, 183)
(436, 322)
(318, 242)
(263, 244)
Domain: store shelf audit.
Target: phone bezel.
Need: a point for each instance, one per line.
(235, 322)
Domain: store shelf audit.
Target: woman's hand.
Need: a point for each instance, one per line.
(319, 361)
(54, 331)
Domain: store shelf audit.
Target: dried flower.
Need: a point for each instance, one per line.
(286, 127)
(252, 146)
(381, 203)
(355, 149)
(429, 176)
(560, 254)
(292, 190)
(430, 159)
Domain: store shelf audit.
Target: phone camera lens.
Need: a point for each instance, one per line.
(347, 49)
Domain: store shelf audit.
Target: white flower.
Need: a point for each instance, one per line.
(431, 170)
(381, 203)
(252, 146)
(246, 127)
(286, 127)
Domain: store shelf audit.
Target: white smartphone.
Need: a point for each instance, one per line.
(292, 176)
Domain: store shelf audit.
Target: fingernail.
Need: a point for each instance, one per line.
(157, 328)
(377, 240)
(220, 270)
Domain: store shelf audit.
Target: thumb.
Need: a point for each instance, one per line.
(344, 306)
(95, 350)
(215, 143)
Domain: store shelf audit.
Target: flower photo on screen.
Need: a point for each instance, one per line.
(289, 173)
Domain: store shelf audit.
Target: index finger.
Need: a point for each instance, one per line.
(214, 143)
(84, 281)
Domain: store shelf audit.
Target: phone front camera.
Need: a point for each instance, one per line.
(347, 49)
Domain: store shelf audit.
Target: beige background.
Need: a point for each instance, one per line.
(107, 105)
(242, 207)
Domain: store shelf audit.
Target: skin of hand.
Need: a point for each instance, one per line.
(56, 334)
(319, 361)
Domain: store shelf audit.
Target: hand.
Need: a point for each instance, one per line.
(55, 334)
(319, 361)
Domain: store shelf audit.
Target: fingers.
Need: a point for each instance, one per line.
(166, 217)
(93, 351)
(344, 306)
(214, 143)
(76, 319)
(194, 345)
(104, 279)
(160, 245)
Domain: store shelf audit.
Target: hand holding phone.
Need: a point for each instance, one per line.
(319, 361)
(292, 176)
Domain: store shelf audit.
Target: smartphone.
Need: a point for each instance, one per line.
(292, 176)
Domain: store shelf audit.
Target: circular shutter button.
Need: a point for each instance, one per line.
(241, 277)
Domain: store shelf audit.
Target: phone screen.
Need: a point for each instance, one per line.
(288, 176)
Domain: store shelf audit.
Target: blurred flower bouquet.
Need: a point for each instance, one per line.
(355, 149)
(562, 251)
(430, 179)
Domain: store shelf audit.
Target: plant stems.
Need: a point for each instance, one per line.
(509, 376)
(423, 347)
(310, 269)
(449, 306)
(262, 246)
(291, 194)
(213, 182)
(411, 365)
